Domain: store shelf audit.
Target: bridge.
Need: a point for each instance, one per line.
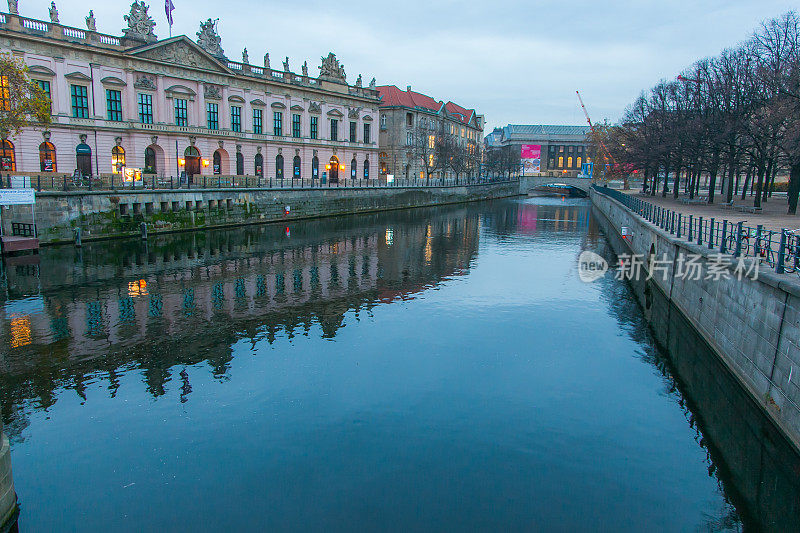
(528, 184)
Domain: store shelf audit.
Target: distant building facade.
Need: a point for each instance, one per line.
(179, 107)
(403, 113)
(563, 148)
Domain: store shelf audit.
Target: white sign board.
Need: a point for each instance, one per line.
(17, 196)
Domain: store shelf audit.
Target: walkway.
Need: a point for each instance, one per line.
(773, 216)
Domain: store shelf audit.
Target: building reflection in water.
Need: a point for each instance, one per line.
(177, 300)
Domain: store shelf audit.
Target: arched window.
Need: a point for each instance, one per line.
(47, 157)
(7, 159)
(259, 164)
(315, 168)
(117, 159)
(366, 169)
(333, 169)
(353, 165)
(239, 164)
(578, 162)
(569, 162)
(83, 158)
(217, 162)
(279, 167)
(383, 121)
(149, 160)
(296, 167)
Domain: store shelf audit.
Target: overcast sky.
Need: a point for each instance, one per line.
(513, 61)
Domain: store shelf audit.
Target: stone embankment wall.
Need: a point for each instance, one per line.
(104, 214)
(8, 498)
(753, 325)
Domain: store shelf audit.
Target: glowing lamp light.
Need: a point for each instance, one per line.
(328, 166)
(205, 162)
(341, 167)
(181, 162)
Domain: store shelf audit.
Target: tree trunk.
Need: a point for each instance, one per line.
(767, 175)
(747, 178)
(666, 181)
(759, 185)
(794, 187)
(732, 170)
(676, 184)
(713, 177)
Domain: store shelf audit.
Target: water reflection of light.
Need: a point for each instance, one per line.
(137, 288)
(20, 331)
(428, 250)
(389, 236)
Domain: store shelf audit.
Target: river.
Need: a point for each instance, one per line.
(425, 369)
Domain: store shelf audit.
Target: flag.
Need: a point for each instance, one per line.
(168, 7)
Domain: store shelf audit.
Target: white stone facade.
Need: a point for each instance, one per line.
(167, 73)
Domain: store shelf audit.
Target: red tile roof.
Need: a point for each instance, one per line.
(391, 95)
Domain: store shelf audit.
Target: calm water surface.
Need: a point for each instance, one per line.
(424, 369)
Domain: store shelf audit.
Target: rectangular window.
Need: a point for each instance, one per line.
(80, 101)
(236, 118)
(409, 139)
(146, 108)
(212, 116)
(367, 139)
(334, 129)
(258, 117)
(277, 123)
(114, 105)
(314, 127)
(45, 86)
(181, 112)
(353, 132)
(296, 126)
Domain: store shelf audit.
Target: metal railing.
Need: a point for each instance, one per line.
(114, 182)
(778, 249)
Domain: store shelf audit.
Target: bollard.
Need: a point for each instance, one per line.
(680, 221)
(77, 237)
(689, 234)
(759, 230)
(143, 227)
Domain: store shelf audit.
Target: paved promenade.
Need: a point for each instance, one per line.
(773, 216)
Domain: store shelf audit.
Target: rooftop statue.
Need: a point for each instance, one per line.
(140, 24)
(91, 24)
(245, 57)
(359, 82)
(305, 69)
(12, 7)
(331, 69)
(286, 65)
(209, 40)
(372, 84)
(266, 61)
(53, 12)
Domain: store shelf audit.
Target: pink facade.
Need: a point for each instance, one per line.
(178, 69)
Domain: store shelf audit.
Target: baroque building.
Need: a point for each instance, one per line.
(404, 114)
(179, 107)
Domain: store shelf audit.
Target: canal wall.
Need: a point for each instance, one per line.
(8, 498)
(753, 325)
(105, 214)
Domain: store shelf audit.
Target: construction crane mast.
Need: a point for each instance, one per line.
(592, 128)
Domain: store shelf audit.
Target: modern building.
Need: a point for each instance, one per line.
(180, 107)
(404, 113)
(563, 149)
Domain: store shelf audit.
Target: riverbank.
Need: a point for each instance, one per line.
(110, 214)
(751, 324)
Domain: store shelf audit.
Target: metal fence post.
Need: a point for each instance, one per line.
(689, 234)
(723, 246)
(759, 229)
(781, 250)
(711, 234)
(738, 240)
(680, 221)
(699, 230)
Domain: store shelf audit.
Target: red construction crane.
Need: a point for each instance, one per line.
(591, 127)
